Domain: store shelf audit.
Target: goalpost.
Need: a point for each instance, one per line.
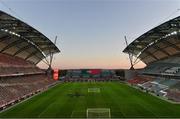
(93, 90)
(98, 113)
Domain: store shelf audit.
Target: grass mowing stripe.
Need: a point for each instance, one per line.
(160, 107)
(124, 101)
(30, 108)
(117, 100)
(51, 100)
(80, 107)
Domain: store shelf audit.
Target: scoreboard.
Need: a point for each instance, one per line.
(55, 74)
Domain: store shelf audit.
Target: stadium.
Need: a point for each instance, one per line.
(27, 91)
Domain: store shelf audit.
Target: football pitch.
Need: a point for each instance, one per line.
(73, 99)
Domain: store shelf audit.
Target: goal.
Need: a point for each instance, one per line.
(93, 90)
(98, 113)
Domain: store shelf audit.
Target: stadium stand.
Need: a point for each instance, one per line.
(140, 80)
(169, 82)
(176, 86)
(88, 75)
(7, 60)
(21, 48)
(16, 88)
(159, 49)
(173, 94)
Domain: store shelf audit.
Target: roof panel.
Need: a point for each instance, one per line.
(159, 54)
(152, 50)
(161, 45)
(171, 50)
(148, 59)
(11, 50)
(22, 32)
(161, 39)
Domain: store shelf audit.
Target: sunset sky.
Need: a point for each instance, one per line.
(91, 32)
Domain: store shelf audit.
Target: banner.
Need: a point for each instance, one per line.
(95, 71)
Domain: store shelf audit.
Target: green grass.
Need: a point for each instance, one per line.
(123, 101)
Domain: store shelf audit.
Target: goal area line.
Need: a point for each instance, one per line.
(98, 113)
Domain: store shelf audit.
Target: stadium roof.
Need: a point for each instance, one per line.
(157, 44)
(20, 39)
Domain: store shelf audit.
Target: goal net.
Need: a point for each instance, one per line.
(98, 113)
(93, 90)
